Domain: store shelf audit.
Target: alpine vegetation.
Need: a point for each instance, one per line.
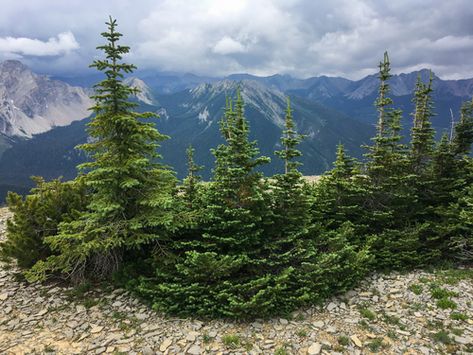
(244, 245)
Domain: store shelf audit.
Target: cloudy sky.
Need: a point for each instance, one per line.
(263, 37)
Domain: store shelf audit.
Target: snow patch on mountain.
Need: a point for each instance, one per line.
(204, 115)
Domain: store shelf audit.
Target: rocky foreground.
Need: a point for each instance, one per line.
(413, 313)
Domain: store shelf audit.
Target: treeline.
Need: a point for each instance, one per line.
(242, 245)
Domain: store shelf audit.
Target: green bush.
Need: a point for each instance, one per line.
(37, 216)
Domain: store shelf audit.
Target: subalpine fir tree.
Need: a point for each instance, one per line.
(421, 153)
(391, 201)
(192, 180)
(463, 138)
(422, 135)
(37, 216)
(432, 227)
(452, 174)
(391, 197)
(291, 201)
(462, 238)
(131, 194)
(222, 271)
(340, 193)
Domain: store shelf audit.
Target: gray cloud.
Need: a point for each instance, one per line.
(216, 37)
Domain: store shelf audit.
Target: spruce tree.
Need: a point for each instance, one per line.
(130, 192)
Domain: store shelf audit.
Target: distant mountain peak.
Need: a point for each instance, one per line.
(11, 65)
(31, 103)
(145, 94)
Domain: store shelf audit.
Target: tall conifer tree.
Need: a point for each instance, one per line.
(130, 192)
(422, 136)
(291, 204)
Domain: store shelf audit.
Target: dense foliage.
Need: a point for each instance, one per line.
(37, 216)
(243, 245)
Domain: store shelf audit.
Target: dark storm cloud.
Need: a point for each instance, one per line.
(216, 37)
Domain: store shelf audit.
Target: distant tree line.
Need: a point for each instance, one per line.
(243, 245)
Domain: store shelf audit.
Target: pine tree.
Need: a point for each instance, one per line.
(131, 193)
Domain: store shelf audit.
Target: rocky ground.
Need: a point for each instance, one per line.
(413, 313)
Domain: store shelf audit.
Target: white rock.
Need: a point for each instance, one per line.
(3, 296)
(96, 329)
(165, 344)
(318, 324)
(463, 340)
(314, 349)
(356, 341)
(194, 350)
(191, 336)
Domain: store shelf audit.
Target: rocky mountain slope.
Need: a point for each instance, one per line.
(144, 91)
(191, 117)
(355, 97)
(32, 104)
(327, 110)
(388, 314)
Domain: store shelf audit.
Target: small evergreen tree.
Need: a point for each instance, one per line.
(190, 183)
(463, 138)
(462, 239)
(422, 136)
(37, 217)
(291, 201)
(391, 202)
(392, 196)
(339, 195)
(131, 193)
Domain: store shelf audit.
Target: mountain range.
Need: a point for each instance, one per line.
(42, 119)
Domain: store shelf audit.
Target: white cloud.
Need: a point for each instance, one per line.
(228, 45)
(63, 43)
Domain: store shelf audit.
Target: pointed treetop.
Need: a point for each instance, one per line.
(288, 106)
